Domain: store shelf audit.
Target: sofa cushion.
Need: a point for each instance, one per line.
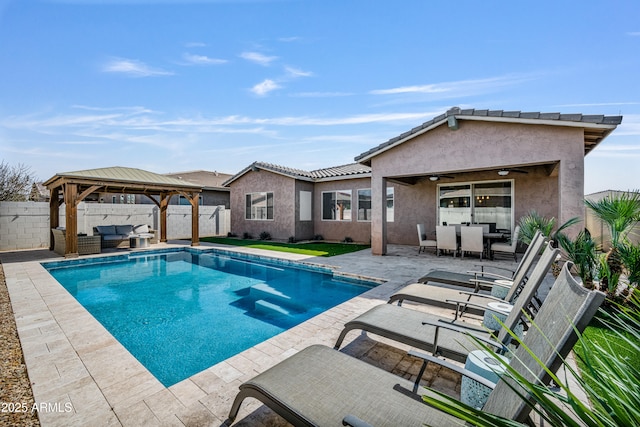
(106, 229)
(124, 229)
(142, 228)
(114, 237)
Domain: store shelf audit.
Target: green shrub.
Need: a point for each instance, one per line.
(265, 235)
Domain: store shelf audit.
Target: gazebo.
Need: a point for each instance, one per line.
(71, 188)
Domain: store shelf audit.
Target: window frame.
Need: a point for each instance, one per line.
(335, 202)
(358, 204)
(248, 214)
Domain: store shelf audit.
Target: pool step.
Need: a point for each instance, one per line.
(264, 292)
(266, 307)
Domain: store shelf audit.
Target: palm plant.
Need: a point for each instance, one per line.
(619, 213)
(630, 255)
(533, 221)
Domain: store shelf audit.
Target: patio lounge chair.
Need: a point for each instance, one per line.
(424, 293)
(321, 387)
(528, 291)
(440, 335)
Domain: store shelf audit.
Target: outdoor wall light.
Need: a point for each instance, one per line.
(503, 172)
(434, 178)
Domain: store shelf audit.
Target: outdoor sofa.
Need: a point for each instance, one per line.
(117, 236)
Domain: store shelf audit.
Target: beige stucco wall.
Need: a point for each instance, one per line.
(478, 145)
(284, 204)
(359, 231)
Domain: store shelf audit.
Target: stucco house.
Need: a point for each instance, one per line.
(292, 203)
(466, 165)
(484, 166)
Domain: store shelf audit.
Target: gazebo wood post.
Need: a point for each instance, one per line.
(71, 215)
(164, 203)
(54, 214)
(195, 218)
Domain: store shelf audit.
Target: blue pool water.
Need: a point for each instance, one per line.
(180, 311)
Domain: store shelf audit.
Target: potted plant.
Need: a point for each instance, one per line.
(582, 252)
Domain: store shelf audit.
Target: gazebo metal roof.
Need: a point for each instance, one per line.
(76, 186)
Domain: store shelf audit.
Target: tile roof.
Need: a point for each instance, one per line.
(344, 171)
(607, 123)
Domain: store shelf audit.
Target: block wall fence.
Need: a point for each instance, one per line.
(25, 225)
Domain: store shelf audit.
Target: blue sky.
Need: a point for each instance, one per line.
(171, 86)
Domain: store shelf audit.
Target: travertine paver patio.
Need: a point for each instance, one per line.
(86, 377)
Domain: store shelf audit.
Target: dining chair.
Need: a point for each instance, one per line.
(471, 240)
(423, 242)
(507, 248)
(446, 239)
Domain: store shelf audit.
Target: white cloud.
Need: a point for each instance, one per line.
(258, 58)
(634, 33)
(295, 72)
(133, 68)
(265, 87)
(456, 88)
(203, 60)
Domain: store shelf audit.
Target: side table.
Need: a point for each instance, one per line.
(139, 242)
(485, 364)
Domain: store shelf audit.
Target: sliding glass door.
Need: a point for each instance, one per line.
(477, 202)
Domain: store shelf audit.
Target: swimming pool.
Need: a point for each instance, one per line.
(180, 311)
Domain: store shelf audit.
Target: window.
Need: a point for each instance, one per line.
(336, 205)
(364, 204)
(183, 201)
(477, 202)
(259, 206)
(390, 210)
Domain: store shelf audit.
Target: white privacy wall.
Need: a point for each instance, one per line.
(25, 225)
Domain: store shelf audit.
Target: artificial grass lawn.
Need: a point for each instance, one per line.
(312, 248)
(609, 343)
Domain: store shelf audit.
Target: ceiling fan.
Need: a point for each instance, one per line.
(506, 171)
(438, 177)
